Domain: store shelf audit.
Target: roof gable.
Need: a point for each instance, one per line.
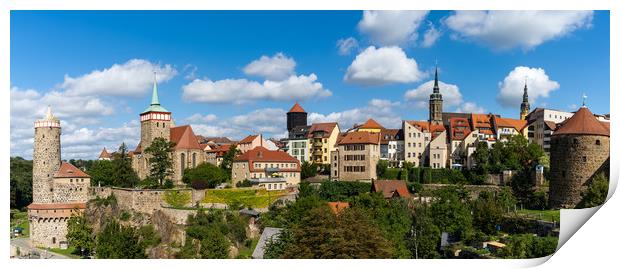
(296, 109)
(68, 170)
(371, 124)
(360, 138)
(391, 188)
(582, 123)
(184, 138)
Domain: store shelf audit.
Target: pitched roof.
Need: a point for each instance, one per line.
(104, 154)
(425, 126)
(184, 137)
(391, 135)
(138, 149)
(57, 206)
(68, 170)
(459, 128)
(297, 109)
(371, 124)
(248, 139)
(220, 150)
(582, 123)
(327, 127)
(514, 123)
(217, 140)
(480, 121)
(338, 207)
(264, 155)
(360, 138)
(391, 188)
(551, 125)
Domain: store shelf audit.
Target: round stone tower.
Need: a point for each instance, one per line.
(45, 158)
(579, 150)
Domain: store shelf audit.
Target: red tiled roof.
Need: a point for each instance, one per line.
(221, 150)
(582, 123)
(480, 121)
(338, 207)
(360, 138)
(184, 137)
(297, 108)
(261, 154)
(104, 154)
(371, 124)
(327, 127)
(57, 206)
(459, 128)
(391, 135)
(425, 126)
(248, 139)
(514, 123)
(391, 188)
(138, 149)
(551, 125)
(68, 170)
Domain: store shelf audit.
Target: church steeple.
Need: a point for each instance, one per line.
(525, 104)
(435, 104)
(155, 105)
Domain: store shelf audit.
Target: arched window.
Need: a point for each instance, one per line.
(182, 163)
(157, 124)
(194, 159)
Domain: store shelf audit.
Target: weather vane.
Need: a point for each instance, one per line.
(583, 100)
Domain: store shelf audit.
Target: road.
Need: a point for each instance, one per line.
(24, 247)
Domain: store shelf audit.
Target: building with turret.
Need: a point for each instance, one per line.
(59, 189)
(156, 122)
(436, 103)
(525, 105)
(579, 150)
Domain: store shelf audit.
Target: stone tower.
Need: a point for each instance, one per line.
(296, 116)
(579, 150)
(435, 103)
(45, 158)
(525, 104)
(155, 121)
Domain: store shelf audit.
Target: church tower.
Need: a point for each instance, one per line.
(45, 158)
(154, 121)
(525, 104)
(296, 116)
(435, 103)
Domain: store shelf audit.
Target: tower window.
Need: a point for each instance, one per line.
(584, 158)
(157, 124)
(598, 142)
(163, 124)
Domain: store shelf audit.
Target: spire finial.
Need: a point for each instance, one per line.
(155, 97)
(48, 113)
(436, 86)
(583, 100)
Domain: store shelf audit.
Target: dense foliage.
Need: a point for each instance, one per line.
(80, 234)
(160, 160)
(210, 235)
(116, 172)
(116, 241)
(342, 190)
(308, 170)
(21, 182)
(596, 194)
(228, 158)
(204, 176)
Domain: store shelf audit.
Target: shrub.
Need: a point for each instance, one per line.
(204, 176)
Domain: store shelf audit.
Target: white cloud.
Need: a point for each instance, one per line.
(383, 111)
(503, 30)
(345, 46)
(375, 67)
(419, 96)
(538, 85)
(271, 122)
(431, 35)
(391, 27)
(470, 107)
(237, 91)
(199, 118)
(277, 67)
(132, 78)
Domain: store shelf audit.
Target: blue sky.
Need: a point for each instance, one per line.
(235, 73)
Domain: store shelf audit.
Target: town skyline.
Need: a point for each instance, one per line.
(96, 116)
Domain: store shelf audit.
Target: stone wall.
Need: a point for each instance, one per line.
(48, 228)
(575, 159)
(142, 200)
(70, 190)
(45, 162)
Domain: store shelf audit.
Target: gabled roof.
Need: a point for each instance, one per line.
(390, 188)
(296, 109)
(105, 154)
(582, 123)
(68, 170)
(248, 139)
(480, 121)
(220, 150)
(138, 149)
(360, 138)
(552, 126)
(184, 138)
(371, 124)
(513, 123)
(391, 135)
(327, 127)
(264, 155)
(425, 126)
(459, 128)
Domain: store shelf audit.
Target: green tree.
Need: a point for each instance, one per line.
(382, 167)
(481, 157)
(102, 173)
(116, 241)
(451, 213)
(228, 158)
(526, 246)
(214, 245)
(487, 213)
(21, 182)
(342, 190)
(80, 234)
(160, 160)
(203, 176)
(124, 175)
(308, 170)
(596, 194)
(425, 236)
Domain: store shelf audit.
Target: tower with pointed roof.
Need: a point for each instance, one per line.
(296, 116)
(45, 157)
(525, 104)
(155, 121)
(579, 151)
(435, 103)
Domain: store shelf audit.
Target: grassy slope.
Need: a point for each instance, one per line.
(249, 197)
